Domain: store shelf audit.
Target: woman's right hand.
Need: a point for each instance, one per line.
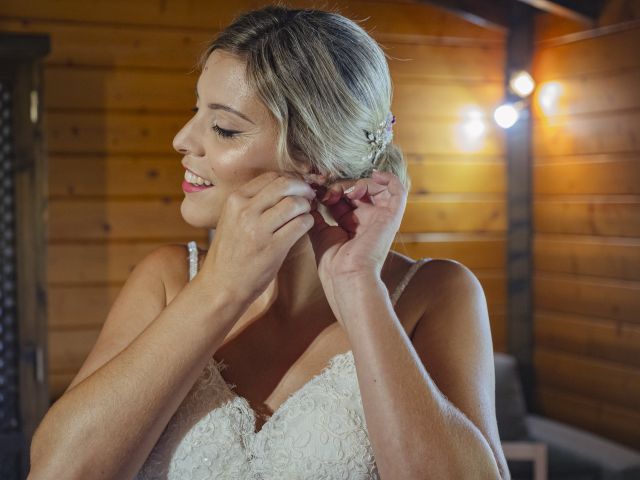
(259, 224)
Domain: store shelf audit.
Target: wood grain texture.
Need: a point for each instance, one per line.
(588, 337)
(611, 132)
(592, 56)
(384, 18)
(610, 382)
(616, 174)
(454, 213)
(598, 256)
(128, 219)
(594, 296)
(588, 215)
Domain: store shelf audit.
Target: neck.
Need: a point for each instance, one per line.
(297, 290)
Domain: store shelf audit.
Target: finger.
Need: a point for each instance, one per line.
(284, 211)
(389, 179)
(335, 191)
(280, 188)
(340, 208)
(363, 189)
(287, 235)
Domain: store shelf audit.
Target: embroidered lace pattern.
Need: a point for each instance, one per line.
(319, 432)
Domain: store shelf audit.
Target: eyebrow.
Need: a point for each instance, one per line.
(226, 108)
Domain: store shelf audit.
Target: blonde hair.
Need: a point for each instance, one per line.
(325, 81)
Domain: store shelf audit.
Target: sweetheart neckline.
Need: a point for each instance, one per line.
(331, 363)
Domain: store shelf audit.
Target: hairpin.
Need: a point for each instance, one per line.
(379, 139)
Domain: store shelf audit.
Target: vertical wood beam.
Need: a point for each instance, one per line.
(519, 204)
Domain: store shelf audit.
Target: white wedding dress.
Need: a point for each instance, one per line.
(319, 432)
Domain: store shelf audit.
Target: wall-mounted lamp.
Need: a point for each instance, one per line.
(507, 114)
(521, 83)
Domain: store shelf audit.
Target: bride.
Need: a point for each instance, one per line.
(298, 346)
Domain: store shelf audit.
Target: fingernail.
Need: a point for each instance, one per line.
(350, 189)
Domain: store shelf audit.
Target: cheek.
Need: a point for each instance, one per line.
(237, 164)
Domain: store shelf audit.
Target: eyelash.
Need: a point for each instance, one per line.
(220, 131)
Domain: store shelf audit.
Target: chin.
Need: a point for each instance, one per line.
(196, 218)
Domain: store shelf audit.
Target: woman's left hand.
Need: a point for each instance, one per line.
(368, 216)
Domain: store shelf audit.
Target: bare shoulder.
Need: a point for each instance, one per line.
(173, 264)
(443, 279)
(434, 281)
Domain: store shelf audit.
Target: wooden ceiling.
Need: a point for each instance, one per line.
(495, 14)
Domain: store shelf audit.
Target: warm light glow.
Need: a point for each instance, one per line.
(522, 83)
(548, 96)
(470, 132)
(506, 115)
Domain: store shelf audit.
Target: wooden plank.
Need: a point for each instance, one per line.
(619, 424)
(459, 177)
(483, 13)
(80, 307)
(586, 215)
(605, 174)
(588, 56)
(152, 90)
(68, 349)
(609, 257)
(610, 382)
(592, 337)
(616, 132)
(415, 62)
(592, 93)
(126, 133)
(100, 89)
(82, 44)
(476, 251)
(98, 263)
(111, 176)
(592, 296)
(425, 56)
(113, 132)
(444, 136)
(72, 220)
(454, 213)
(388, 18)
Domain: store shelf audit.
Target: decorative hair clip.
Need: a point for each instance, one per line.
(379, 139)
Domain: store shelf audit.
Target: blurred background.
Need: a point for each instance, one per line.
(545, 212)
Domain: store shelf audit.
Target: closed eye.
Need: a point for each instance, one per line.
(224, 133)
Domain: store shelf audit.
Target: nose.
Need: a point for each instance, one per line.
(186, 141)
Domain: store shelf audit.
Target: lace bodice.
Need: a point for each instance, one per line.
(319, 432)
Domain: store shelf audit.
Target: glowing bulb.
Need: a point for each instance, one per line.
(506, 115)
(548, 97)
(471, 131)
(522, 83)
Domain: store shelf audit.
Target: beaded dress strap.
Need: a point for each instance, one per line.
(193, 259)
(406, 279)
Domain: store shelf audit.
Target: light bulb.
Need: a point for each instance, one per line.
(522, 83)
(506, 115)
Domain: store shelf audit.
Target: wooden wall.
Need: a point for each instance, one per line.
(118, 88)
(586, 143)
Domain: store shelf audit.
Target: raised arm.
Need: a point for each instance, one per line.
(106, 423)
(149, 357)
